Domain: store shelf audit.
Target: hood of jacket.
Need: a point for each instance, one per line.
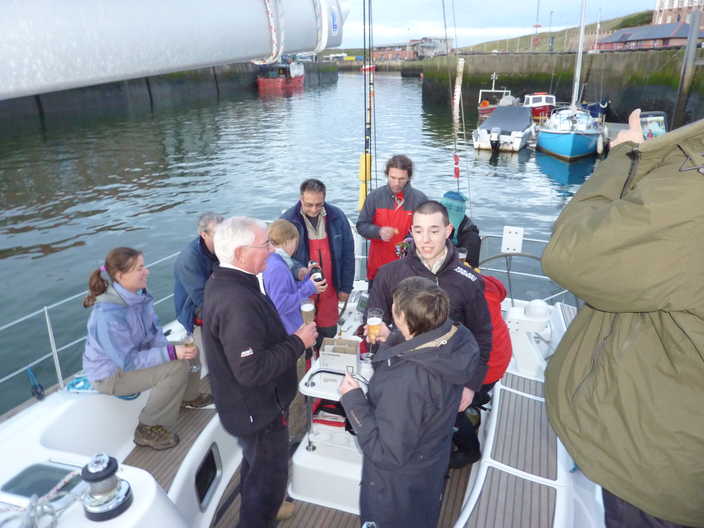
(441, 351)
(117, 297)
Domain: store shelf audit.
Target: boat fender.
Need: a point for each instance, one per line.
(600, 145)
(484, 103)
(108, 495)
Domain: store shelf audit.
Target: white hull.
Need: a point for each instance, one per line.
(481, 140)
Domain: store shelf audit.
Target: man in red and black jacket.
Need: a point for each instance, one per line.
(387, 214)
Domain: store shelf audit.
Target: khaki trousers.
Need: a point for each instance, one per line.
(170, 383)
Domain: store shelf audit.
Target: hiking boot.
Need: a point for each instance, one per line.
(157, 437)
(202, 400)
(286, 511)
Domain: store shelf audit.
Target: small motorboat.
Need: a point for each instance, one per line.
(489, 100)
(508, 128)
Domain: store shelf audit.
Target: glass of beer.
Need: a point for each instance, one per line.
(374, 321)
(189, 341)
(308, 312)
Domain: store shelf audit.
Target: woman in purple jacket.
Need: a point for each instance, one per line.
(286, 292)
(127, 352)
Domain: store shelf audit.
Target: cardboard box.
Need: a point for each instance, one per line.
(340, 353)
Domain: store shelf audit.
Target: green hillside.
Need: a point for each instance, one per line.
(564, 40)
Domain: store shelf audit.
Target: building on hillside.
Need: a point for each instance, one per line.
(673, 11)
(393, 52)
(657, 36)
(430, 46)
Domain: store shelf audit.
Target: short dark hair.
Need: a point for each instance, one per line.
(402, 162)
(424, 304)
(432, 207)
(313, 185)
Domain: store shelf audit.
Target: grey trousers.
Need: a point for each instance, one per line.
(620, 514)
(170, 383)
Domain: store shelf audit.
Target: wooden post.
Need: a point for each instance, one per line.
(688, 69)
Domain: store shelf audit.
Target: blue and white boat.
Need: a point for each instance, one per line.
(572, 132)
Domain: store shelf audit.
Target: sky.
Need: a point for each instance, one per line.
(397, 21)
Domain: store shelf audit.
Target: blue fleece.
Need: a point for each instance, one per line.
(123, 334)
(193, 267)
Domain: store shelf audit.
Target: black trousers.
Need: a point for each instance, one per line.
(465, 438)
(263, 474)
(621, 514)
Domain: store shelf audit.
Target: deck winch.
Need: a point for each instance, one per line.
(108, 495)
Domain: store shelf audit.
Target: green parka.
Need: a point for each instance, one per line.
(625, 388)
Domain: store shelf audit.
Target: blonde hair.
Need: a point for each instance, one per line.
(281, 231)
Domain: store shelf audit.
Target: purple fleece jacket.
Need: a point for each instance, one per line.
(285, 292)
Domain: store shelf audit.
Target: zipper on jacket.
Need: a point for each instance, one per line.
(635, 162)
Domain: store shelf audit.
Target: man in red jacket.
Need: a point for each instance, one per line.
(387, 214)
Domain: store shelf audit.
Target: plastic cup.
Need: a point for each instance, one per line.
(375, 318)
(308, 312)
(462, 253)
(190, 341)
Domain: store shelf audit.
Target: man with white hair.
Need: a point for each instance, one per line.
(252, 363)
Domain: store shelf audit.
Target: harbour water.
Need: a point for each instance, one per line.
(71, 194)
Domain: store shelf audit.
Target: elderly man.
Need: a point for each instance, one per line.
(434, 256)
(325, 237)
(192, 268)
(386, 216)
(252, 363)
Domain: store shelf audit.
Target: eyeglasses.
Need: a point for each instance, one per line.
(265, 245)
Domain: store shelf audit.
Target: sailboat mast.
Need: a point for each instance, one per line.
(580, 49)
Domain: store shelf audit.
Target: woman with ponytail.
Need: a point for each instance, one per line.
(127, 352)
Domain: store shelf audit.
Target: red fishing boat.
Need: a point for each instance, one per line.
(490, 99)
(281, 78)
(541, 104)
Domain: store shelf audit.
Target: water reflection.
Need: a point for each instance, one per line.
(563, 172)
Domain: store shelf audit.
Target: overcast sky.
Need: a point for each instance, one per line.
(475, 20)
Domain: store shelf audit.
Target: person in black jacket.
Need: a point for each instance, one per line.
(252, 364)
(434, 256)
(404, 424)
(464, 234)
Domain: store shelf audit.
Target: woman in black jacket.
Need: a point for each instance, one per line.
(404, 424)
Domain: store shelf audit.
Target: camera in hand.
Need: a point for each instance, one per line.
(316, 272)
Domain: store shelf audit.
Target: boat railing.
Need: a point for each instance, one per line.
(55, 349)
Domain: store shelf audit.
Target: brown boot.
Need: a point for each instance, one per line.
(202, 400)
(155, 436)
(286, 511)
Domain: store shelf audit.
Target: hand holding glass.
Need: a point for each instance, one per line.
(189, 342)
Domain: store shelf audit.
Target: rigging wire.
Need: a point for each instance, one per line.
(455, 155)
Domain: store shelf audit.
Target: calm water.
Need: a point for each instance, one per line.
(69, 196)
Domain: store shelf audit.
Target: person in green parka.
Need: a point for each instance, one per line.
(625, 388)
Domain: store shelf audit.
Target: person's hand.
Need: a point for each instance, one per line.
(634, 132)
(320, 286)
(386, 233)
(342, 296)
(347, 384)
(467, 397)
(381, 337)
(186, 351)
(303, 273)
(307, 333)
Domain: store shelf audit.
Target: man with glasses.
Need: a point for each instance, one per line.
(433, 255)
(325, 236)
(252, 362)
(192, 268)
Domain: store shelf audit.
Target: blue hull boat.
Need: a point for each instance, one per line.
(568, 144)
